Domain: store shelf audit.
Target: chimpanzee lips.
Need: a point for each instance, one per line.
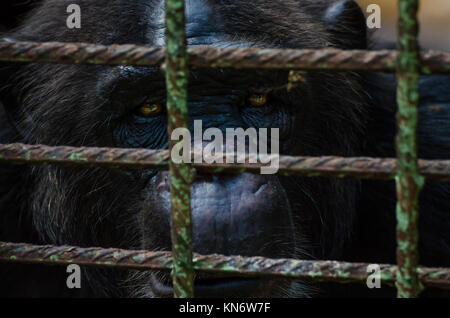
(222, 286)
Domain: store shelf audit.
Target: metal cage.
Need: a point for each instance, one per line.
(409, 172)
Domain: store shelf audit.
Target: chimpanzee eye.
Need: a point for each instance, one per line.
(258, 100)
(149, 109)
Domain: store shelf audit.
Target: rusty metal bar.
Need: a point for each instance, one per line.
(325, 59)
(181, 175)
(245, 266)
(136, 159)
(409, 181)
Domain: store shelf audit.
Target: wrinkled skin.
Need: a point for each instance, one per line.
(343, 114)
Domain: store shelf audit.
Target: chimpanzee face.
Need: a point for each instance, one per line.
(124, 106)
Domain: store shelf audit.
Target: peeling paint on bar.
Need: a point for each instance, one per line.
(325, 59)
(136, 159)
(409, 181)
(181, 175)
(325, 271)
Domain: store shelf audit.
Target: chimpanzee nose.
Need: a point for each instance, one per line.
(240, 215)
(245, 214)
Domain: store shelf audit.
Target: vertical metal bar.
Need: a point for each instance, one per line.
(409, 181)
(180, 174)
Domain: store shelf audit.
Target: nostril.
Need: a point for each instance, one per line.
(261, 189)
(163, 182)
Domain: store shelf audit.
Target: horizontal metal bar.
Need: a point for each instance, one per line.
(325, 59)
(338, 167)
(246, 266)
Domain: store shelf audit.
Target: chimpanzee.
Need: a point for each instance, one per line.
(329, 113)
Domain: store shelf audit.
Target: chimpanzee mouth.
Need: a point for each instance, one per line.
(213, 287)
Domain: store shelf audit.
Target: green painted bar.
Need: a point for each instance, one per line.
(409, 181)
(180, 174)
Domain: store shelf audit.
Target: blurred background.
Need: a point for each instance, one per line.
(434, 18)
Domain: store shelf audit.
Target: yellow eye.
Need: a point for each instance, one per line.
(258, 100)
(149, 109)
